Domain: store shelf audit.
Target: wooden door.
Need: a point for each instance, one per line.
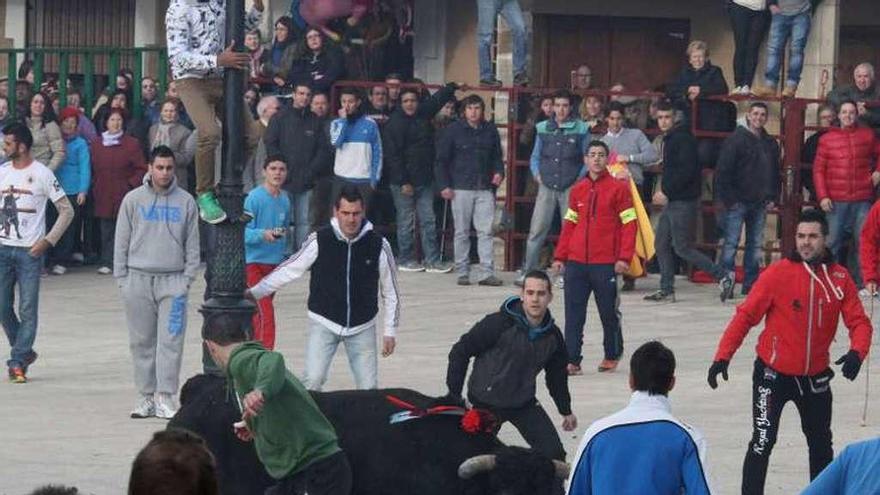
(857, 44)
(641, 53)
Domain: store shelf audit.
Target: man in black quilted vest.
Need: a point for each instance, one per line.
(350, 264)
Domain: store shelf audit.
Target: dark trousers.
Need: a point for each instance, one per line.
(675, 236)
(328, 476)
(749, 28)
(63, 251)
(580, 281)
(533, 424)
(108, 234)
(770, 391)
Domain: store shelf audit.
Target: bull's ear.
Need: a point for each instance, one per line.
(476, 465)
(562, 469)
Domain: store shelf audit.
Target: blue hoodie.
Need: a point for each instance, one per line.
(269, 212)
(75, 172)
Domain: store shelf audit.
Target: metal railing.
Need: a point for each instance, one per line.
(88, 58)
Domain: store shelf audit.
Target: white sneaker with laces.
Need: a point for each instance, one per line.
(144, 408)
(165, 407)
(59, 270)
(105, 270)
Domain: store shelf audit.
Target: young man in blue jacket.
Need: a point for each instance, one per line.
(264, 239)
(358, 145)
(643, 448)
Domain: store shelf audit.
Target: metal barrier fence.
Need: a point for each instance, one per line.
(87, 59)
(506, 105)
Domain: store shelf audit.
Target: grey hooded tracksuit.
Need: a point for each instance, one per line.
(156, 256)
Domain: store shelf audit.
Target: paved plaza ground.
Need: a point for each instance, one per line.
(70, 423)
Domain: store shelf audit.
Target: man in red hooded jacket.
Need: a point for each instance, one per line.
(846, 171)
(596, 245)
(800, 299)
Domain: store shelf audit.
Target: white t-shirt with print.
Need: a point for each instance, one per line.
(23, 196)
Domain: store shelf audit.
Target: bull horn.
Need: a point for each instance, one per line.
(476, 465)
(562, 469)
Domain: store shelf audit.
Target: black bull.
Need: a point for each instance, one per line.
(421, 456)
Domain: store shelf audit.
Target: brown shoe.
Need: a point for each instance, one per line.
(607, 365)
(789, 92)
(764, 92)
(574, 370)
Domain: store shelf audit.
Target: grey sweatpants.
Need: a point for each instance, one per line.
(155, 309)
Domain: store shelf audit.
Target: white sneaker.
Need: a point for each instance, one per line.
(105, 270)
(864, 294)
(411, 266)
(144, 408)
(59, 270)
(165, 407)
(745, 90)
(736, 90)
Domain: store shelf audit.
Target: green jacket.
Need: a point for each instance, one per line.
(290, 432)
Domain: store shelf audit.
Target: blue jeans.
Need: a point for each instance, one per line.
(845, 221)
(421, 203)
(546, 204)
(580, 282)
(781, 28)
(487, 12)
(754, 216)
(360, 349)
(17, 266)
(299, 218)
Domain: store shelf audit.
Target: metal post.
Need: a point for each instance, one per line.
(88, 82)
(138, 69)
(63, 73)
(226, 278)
(12, 73)
(793, 114)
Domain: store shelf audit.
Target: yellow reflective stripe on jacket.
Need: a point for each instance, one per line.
(572, 216)
(628, 215)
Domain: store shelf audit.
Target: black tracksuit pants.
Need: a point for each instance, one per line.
(581, 281)
(328, 476)
(770, 392)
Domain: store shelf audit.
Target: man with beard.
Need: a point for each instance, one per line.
(802, 297)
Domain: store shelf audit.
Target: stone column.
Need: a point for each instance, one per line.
(820, 55)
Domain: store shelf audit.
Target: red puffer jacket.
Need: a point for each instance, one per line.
(802, 311)
(869, 246)
(600, 225)
(844, 163)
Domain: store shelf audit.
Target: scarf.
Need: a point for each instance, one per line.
(111, 139)
(163, 134)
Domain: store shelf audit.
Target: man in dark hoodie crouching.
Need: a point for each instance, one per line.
(155, 260)
(510, 347)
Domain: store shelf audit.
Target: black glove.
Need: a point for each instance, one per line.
(851, 365)
(717, 367)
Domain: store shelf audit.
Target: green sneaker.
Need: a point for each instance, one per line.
(209, 208)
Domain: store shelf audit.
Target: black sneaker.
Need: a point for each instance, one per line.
(464, 280)
(491, 83)
(629, 285)
(661, 296)
(491, 281)
(521, 79)
(725, 285)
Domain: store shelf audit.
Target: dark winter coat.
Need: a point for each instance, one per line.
(328, 64)
(468, 157)
(408, 141)
(748, 168)
(711, 115)
(301, 138)
(509, 354)
(681, 170)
